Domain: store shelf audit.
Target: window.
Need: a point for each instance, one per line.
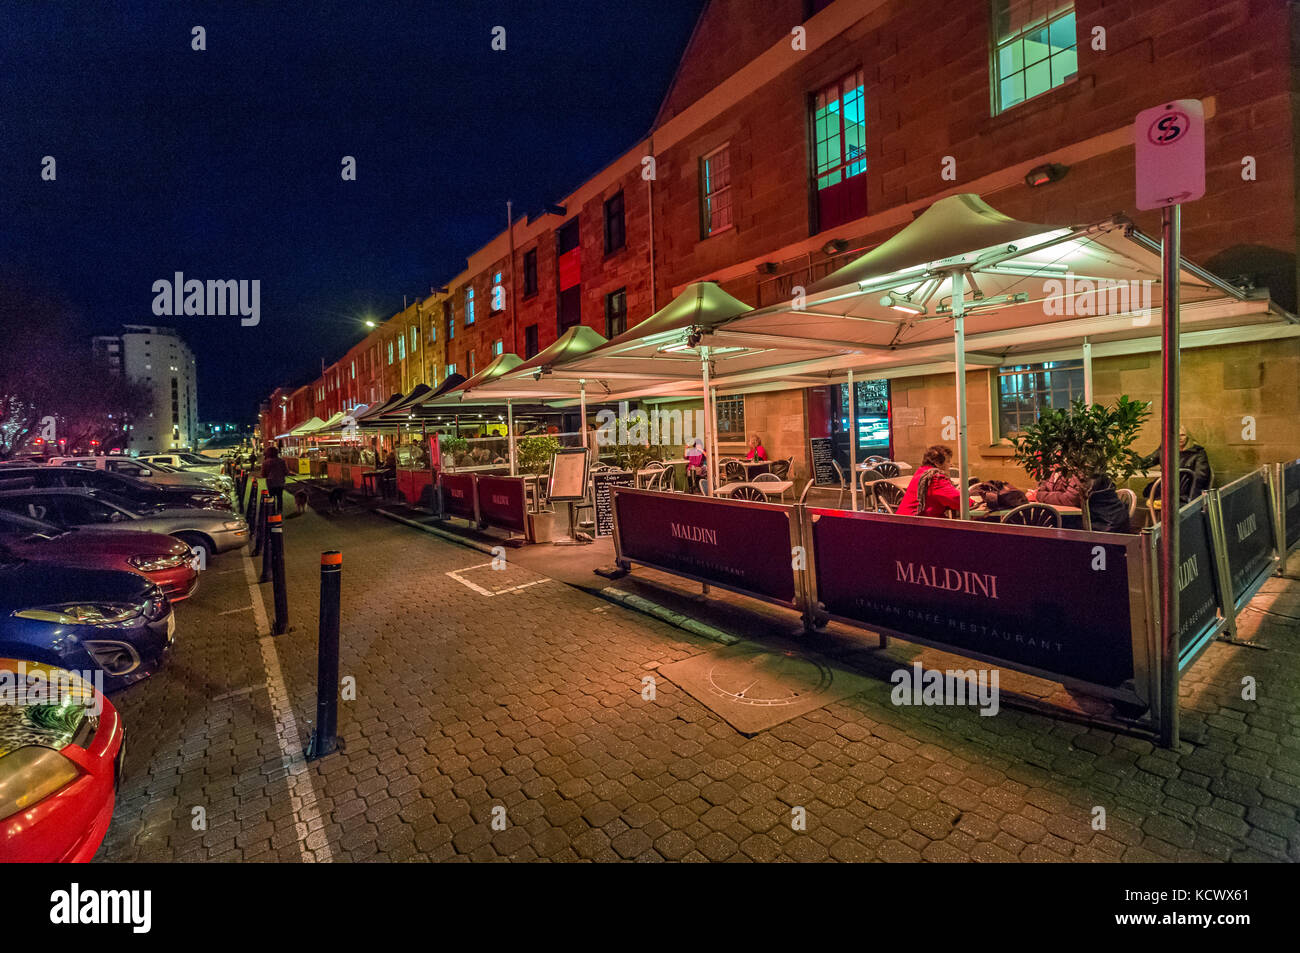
(731, 417)
(570, 308)
(451, 369)
(615, 227)
(1025, 391)
(1034, 49)
(415, 338)
(498, 295)
(615, 312)
(390, 352)
(469, 306)
(839, 134)
(450, 314)
(530, 272)
(354, 370)
(401, 348)
(715, 192)
(498, 347)
(530, 341)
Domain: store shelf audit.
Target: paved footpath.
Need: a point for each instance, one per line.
(502, 695)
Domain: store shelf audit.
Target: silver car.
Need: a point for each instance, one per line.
(151, 473)
(216, 531)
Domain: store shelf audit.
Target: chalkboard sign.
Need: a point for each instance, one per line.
(822, 455)
(600, 484)
(568, 474)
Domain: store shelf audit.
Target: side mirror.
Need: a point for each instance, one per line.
(145, 473)
(116, 517)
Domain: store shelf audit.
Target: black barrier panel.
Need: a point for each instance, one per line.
(1200, 604)
(1248, 532)
(458, 495)
(1291, 501)
(1036, 599)
(737, 545)
(501, 502)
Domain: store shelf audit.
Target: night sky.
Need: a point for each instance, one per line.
(225, 164)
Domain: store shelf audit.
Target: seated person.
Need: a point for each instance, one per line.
(756, 449)
(696, 463)
(1106, 511)
(1191, 456)
(931, 493)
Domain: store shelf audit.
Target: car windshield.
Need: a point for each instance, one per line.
(28, 529)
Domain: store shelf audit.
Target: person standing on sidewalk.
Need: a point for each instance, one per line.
(274, 472)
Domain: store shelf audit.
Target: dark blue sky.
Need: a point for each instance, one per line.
(225, 163)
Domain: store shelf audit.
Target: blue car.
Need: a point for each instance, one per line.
(89, 620)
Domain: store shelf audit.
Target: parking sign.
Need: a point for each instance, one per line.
(1170, 144)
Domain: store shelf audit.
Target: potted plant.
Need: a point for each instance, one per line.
(533, 455)
(1090, 444)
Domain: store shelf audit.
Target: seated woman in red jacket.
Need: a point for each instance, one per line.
(756, 449)
(931, 493)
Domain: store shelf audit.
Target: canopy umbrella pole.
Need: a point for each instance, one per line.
(1087, 372)
(582, 412)
(959, 344)
(710, 424)
(853, 444)
(510, 433)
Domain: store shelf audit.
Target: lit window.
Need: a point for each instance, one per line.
(1025, 391)
(415, 339)
(715, 192)
(469, 306)
(497, 347)
(451, 369)
(390, 352)
(401, 348)
(731, 417)
(839, 126)
(354, 370)
(1034, 49)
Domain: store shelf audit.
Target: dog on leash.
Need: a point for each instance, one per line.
(337, 496)
(300, 498)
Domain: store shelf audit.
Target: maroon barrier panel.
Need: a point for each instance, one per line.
(1030, 598)
(458, 495)
(728, 543)
(501, 502)
(1291, 502)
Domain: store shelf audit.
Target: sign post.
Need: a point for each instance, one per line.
(1170, 150)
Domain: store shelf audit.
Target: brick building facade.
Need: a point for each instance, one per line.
(794, 138)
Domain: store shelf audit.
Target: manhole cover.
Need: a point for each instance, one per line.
(768, 678)
(755, 688)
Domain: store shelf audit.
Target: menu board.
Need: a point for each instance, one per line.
(604, 499)
(822, 453)
(568, 474)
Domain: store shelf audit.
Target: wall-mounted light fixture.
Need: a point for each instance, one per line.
(1045, 174)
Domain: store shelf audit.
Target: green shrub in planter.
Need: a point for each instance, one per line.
(533, 455)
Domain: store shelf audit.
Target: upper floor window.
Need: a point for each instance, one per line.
(615, 228)
(415, 338)
(498, 347)
(354, 370)
(615, 312)
(839, 135)
(715, 192)
(530, 272)
(1034, 49)
(451, 369)
(497, 302)
(1026, 390)
(390, 352)
(530, 341)
(469, 306)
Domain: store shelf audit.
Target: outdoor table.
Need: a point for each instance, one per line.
(1067, 512)
(754, 467)
(368, 478)
(769, 487)
(902, 467)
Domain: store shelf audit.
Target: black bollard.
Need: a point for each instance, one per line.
(259, 531)
(276, 548)
(269, 509)
(250, 513)
(324, 738)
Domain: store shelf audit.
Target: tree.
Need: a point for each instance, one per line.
(1092, 445)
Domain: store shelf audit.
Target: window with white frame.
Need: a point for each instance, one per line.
(415, 338)
(401, 348)
(498, 347)
(469, 306)
(1026, 390)
(715, 192)
(390, 352)
(1034, 49)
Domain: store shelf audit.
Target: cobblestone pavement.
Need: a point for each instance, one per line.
(469, 700)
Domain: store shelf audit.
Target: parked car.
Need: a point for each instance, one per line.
(137, 492)
(163, 560)
(151, 473)
(59, 767)
(89, 620)
(184, 462)
(213, 530)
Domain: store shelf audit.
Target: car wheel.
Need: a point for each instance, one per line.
(197, 539)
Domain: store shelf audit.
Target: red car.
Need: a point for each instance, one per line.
(163, 560)
(60, 757)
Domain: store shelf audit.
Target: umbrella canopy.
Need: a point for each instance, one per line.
(459, 395)
(306, 427)
(402, 409)
(377, 409)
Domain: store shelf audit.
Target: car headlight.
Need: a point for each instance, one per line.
(31, 774)
(235, 524)
(86, 613)
(155, 563)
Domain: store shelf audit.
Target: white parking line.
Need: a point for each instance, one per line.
(455, 574)
(302, 792)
